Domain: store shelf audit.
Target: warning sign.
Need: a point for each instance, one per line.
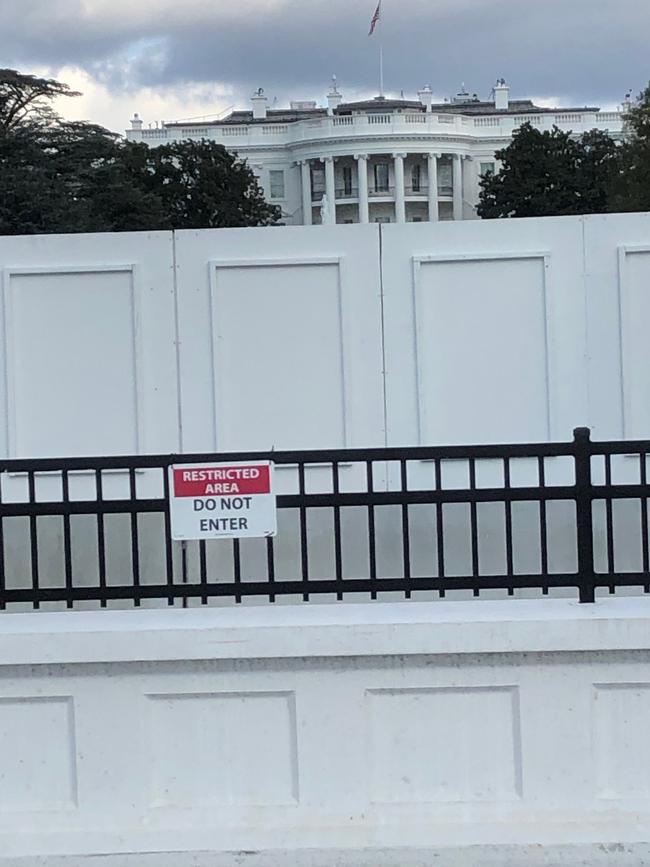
(222, 501)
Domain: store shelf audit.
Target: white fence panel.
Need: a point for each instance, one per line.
(88, 363)
(280, 333)
(617, 257)
(484, 331)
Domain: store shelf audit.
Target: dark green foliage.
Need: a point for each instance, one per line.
(58, 176)
(631, 190)
(550, 173)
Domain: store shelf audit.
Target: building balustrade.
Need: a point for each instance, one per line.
(388, 124)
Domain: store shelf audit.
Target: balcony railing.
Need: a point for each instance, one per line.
(433, 520)
(375, 192)
(347, 193)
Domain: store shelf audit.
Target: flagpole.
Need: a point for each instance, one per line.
(381, 67)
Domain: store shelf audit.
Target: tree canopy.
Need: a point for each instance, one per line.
(62, 176)
(631, 190)
(553, 172)
(550, 173)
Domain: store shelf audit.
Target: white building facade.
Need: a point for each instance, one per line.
(379, 161)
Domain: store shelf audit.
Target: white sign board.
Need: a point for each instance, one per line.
(222, 501)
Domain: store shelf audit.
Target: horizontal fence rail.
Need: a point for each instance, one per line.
(352, 524)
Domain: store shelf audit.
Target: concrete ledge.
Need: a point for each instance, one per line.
(289, 632)
(600, 855)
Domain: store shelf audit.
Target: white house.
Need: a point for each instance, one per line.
(381, 160)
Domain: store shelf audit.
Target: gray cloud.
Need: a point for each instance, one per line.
(581, 50)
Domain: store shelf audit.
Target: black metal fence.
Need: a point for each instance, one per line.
(359, 524)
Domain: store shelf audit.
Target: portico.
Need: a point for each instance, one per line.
(402, 186)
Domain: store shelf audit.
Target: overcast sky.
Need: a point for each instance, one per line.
(172, 59)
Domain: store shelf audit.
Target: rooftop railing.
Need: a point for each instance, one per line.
(392, 124)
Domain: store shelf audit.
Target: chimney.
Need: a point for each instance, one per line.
(426, 97)
(334, 98)
(260, 104)
(501, 95)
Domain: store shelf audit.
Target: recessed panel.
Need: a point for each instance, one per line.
(482, 351)
(278, 349)
(635, 304)
(37, 755)
(621, 716)
(445, 745)
(72, 364)
(228, 748)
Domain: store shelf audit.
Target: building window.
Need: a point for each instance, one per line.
(487, 167)
(276, 179)
(381, 177)
(416, 220)
(382, 219)
(416, 178)
(317, 183)
(445, 181)
(347, 180)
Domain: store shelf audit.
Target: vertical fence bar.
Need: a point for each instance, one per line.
(270, 566)
(473, 514)
(406, 533)
(644, 520)
(3, 602)
(135, 541)
(67, 544)
(510, 569)
(440, 528)
(236, 562)
(304, 543)
(33, 538)
(609, 523)
(101, 538)
(584, 515)
(169, 545)
(338, 550)
(372, 542)
(543, 526)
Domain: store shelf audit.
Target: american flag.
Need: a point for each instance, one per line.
(375, 19)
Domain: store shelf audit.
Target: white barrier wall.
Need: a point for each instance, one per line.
(88, 361)
(325, 336)
(499, 733)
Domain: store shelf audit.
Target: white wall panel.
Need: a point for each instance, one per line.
(280, 338)
(72, 362)
(617, 274)
(472, 317)
(484, 331)
(88, 339)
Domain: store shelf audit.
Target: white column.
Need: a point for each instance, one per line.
(330, 189)
(400, 202)
(362, 178)
(457, 164)
(434, 214)
(305, 172)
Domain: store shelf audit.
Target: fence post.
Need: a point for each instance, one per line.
(584, 517)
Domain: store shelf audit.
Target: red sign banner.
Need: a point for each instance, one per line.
(208, 481)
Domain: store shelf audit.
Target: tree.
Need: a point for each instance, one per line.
(61, 176)
(202, 185)
(550, 173)
(26, 99)
(631, 185)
